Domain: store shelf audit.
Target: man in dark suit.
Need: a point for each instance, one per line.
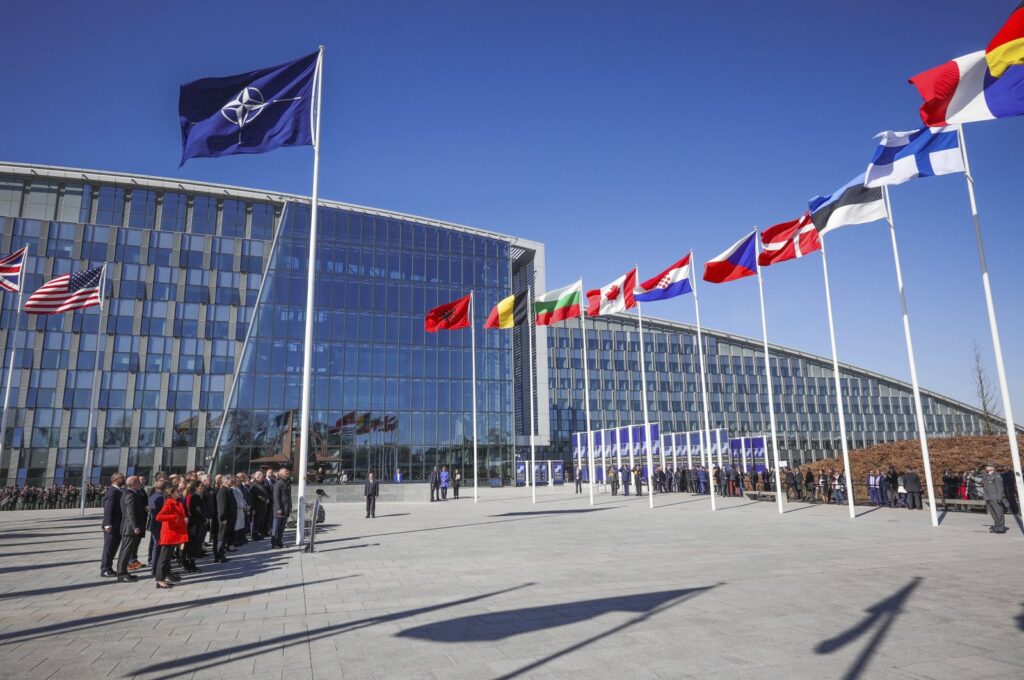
(993, 489)
(435, 484)
(371, 489)
(579, 479)
(133, 526)
(912, 485)
(227, 513)
(282, 503)
(268, 520)
(260, 505)
(156, 502)
(111, 524)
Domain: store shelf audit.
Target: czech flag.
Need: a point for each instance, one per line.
(1007, 48)
(738, 261)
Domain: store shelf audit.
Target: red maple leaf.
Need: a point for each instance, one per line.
(612, 293)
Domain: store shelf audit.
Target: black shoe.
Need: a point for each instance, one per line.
(173, 578)
(108, 573)
(126, 578)
(220, 559)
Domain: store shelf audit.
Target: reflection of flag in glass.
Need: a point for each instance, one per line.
(363, 423)
(390, 423)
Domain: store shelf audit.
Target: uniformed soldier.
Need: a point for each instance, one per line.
(992, 491)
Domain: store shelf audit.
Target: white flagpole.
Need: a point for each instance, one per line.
(768, 379)
(997, 346)
(13, 340)
(918, 408)
(706, 447)
(529, 369)
(586, 398)
(647, 421)
(839, 389)
(307, 355)
(93, 396)
(472, 336)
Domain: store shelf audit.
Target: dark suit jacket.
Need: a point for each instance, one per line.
(260, 496)
(911, 482)
(133, 513)
(227, 508)
(112, 509)
(371, 488)
(156, 502)
(282, 498)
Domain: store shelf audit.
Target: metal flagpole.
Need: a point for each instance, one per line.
(703, 387)
(1004, 390)
(93, 396)
(13, 340)
(586, 400)
(307, 356)
(918, 408)
(768, 378)
(647, 421)
(472, 337)
(839, 388)
(529, 369)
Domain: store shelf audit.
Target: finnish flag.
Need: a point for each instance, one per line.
(902, 156)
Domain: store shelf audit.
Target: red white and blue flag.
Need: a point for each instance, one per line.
(963, 90)
(738, 261)
(68, 292)
(788, 240)
(10, 271)
(672, 282)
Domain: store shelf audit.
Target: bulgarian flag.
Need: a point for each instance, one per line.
(559, 304)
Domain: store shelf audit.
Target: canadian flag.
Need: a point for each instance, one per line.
(614, 298)
(788, 240)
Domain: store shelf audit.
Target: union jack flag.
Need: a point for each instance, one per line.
(68, 292)
(10, 271)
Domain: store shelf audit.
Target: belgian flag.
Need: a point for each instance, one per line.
(1007, 47)
(510, 312)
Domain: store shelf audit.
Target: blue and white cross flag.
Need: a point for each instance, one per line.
(902, 156)
(251, 112)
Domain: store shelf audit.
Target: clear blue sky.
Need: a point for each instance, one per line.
(616, 133)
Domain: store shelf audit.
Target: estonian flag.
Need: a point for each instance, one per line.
(852, 203)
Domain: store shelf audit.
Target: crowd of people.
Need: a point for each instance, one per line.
(52, 497)
(822, 484)
(184, 515)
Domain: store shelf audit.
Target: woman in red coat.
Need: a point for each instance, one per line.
(173, 532)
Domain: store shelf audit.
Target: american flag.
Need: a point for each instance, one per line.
(10, 271)
(66, 293)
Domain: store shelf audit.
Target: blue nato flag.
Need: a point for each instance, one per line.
(251, 112)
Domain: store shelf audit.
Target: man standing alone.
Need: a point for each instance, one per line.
(992, 488)
(912, 485)
(435, 484)
(371, 489)
(282, 507)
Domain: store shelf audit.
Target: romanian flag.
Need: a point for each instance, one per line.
(510, 312)
(448, 317)
(1007, 48)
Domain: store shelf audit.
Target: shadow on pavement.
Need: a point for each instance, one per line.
(549, 512)
(394, 514)
(196, 663)
(1020, 617)
(19, 636)
(36, 566)
(804, 507)
(884, 614)
(349, 547)
(741, 505)
(871, 510)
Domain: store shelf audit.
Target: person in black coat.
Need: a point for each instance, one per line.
(156, 502)
(227, 513)
(371, 489)
(111, 524)
(133, 526)
(268, 520)
(435, 484)
(282, 505)
(912, 485)
(260, 496)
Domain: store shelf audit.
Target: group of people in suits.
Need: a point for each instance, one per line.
(183, 514)
(441, 480)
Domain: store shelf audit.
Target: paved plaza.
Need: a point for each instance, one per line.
(507, 589)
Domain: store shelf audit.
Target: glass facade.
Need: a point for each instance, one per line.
(877, 409)
(184, 345)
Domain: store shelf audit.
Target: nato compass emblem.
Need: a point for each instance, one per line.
(244, 108)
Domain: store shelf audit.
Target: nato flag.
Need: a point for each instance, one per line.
(252, 112)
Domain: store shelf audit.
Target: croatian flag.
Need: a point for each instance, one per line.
(902, 156)
(672, 282)
(738, 261)
(965, 91)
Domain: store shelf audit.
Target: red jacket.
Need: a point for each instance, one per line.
(174, 528)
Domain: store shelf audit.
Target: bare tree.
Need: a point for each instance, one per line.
(983, 390)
